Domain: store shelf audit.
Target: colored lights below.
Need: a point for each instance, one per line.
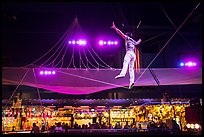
(47, 72)
(193, 126)
(101, 42)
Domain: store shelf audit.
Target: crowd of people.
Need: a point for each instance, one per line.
(64, 127)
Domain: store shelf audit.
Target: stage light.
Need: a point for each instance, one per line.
(92, 109)
(83, 42)
(192, 126)
(188, 125)
(46, 72)
(80, 42)
(77, 42)
(73, 42)
(101, 42)
(41, 72)
(197, 126)
(181, 64)
(109, 42)
(190, 63)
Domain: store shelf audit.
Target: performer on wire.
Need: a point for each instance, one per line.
(130, 56)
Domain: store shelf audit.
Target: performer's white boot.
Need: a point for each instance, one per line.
(131, 85)
(119, 76)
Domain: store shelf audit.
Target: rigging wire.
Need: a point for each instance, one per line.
(40, 98)
(190, 45)
(100, 59)
(71, 59)
(94, 59)
(154, 37)
(167, 42)
(88, 62)
(90, 79)
(16, 88)
(50, 49)
(64, 43)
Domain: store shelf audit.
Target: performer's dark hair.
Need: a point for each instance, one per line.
(129, 34)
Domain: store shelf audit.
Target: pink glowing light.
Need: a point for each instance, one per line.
(45, 72)
(190, 63)
(53, 72)
(73, 42)
(80, 42)
(109, 42)
(83, 42)
(101, 42)
(41, 72)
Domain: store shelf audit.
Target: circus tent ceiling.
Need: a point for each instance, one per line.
(80, 70)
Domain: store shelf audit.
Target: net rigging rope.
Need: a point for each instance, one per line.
(167, 42)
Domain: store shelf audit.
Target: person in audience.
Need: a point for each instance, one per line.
(35, 128)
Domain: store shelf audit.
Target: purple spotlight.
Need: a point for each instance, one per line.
(101, 42)
(53, 72)
(104, 42)
(194, 64)
(70, 42)
(181, 64)
(116, 42)
(112, 42)
(83, 42)
(73, 41)
(186, 64)
(49, 72)
(41, 72)
(45, 72)
(77, 42)
(190, 64)
(80, 42)
(109, 42)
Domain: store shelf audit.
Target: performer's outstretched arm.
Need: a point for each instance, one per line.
(119, 31)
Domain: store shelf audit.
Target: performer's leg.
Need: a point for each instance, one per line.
(131, 70)
(125, 65)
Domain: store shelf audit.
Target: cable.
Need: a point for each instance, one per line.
(16, 88)
(39, 97)
(90, 79)
(50, 49)
(190, 45)
(167, 42)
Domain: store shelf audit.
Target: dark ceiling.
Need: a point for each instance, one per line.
(29, 25)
